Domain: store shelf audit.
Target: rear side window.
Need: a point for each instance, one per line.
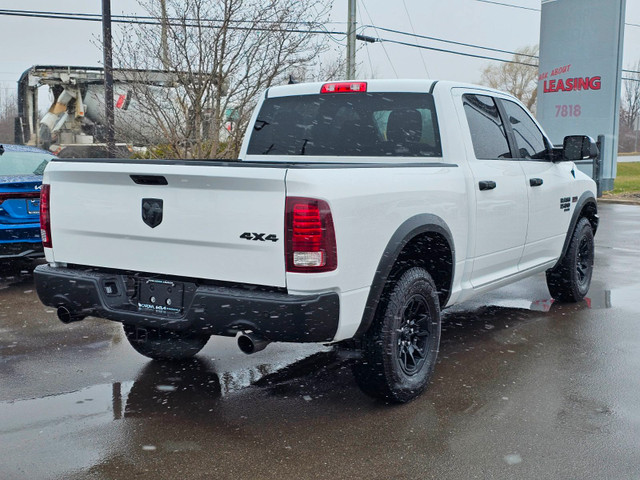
(487, 131)
(531, 142)
(346, 124)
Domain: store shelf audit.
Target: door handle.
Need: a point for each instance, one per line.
(535, 182)
(486, 184)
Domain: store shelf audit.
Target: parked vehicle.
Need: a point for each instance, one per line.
(357, 212)
(21, 170)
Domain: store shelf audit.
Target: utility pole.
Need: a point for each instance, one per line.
(351, 41)
(108, 78)
(165, 44)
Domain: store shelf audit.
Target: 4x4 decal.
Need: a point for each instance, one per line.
(261, 237)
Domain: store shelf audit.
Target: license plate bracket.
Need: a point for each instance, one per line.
(33, 206)
(162, 297)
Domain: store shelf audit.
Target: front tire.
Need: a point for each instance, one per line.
(161, 344)
(401, 347)
(570, 280)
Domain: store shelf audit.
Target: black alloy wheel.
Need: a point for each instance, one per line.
(570, 279)
(584, 262)
(413, 335)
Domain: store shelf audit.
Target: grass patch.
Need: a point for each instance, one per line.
(627, 179)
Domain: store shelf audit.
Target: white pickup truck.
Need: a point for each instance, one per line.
(358, 210)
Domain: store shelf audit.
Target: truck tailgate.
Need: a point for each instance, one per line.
(97, 213)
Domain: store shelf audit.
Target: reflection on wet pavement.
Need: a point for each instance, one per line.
(494, 360)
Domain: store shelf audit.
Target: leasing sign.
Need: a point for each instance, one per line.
(580, 71)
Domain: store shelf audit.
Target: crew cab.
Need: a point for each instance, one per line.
(356, 212)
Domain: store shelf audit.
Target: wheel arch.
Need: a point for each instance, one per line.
(423, 240)
(586, 207)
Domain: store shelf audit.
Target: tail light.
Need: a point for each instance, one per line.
(45, 217)
(310, 238)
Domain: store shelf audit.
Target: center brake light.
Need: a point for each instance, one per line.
(45, 216)
(344, 87)
(310, 236)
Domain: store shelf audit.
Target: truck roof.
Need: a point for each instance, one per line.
(375, 85)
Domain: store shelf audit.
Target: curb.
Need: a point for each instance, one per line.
(619, 201)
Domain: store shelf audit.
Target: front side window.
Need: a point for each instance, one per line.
(530, 140)
(347, 124)
(487, 131)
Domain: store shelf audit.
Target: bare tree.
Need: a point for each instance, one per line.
(631, 97)
(630, 111)
(518, 79)
(223, 54)
(8, 113)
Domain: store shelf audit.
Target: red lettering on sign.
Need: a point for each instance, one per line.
(572, 84)
(560, 70)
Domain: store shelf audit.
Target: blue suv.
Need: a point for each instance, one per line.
(21, 170)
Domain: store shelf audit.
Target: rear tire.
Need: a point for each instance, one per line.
(401, 347)
(570, 280)
(161, 344)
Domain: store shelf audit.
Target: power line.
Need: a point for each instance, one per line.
(502, 4)
(414, 32)
(89, 18)
(472, 55)
(509, 5)
(175, 19)
(127, 19)
(383, 47)
(366, 44)
(453, 42)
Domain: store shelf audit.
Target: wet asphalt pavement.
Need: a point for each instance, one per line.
(524, 388)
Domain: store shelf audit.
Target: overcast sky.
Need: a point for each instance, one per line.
(28, 41)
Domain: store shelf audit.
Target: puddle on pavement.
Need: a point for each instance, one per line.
(197, 382)
(599, 297)
(191, 387)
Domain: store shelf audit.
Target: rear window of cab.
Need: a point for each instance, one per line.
(23, 163)
(359, 124)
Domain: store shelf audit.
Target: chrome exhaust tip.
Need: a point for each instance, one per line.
(65, 315)
(251, 343)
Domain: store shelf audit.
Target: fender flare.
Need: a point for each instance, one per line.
(417, 225)
(586, 199)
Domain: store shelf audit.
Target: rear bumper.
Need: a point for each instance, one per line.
(212, 309)
(21, 250)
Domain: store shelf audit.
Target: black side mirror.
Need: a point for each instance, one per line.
(579, 147)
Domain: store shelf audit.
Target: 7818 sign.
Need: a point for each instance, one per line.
(568, 110)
